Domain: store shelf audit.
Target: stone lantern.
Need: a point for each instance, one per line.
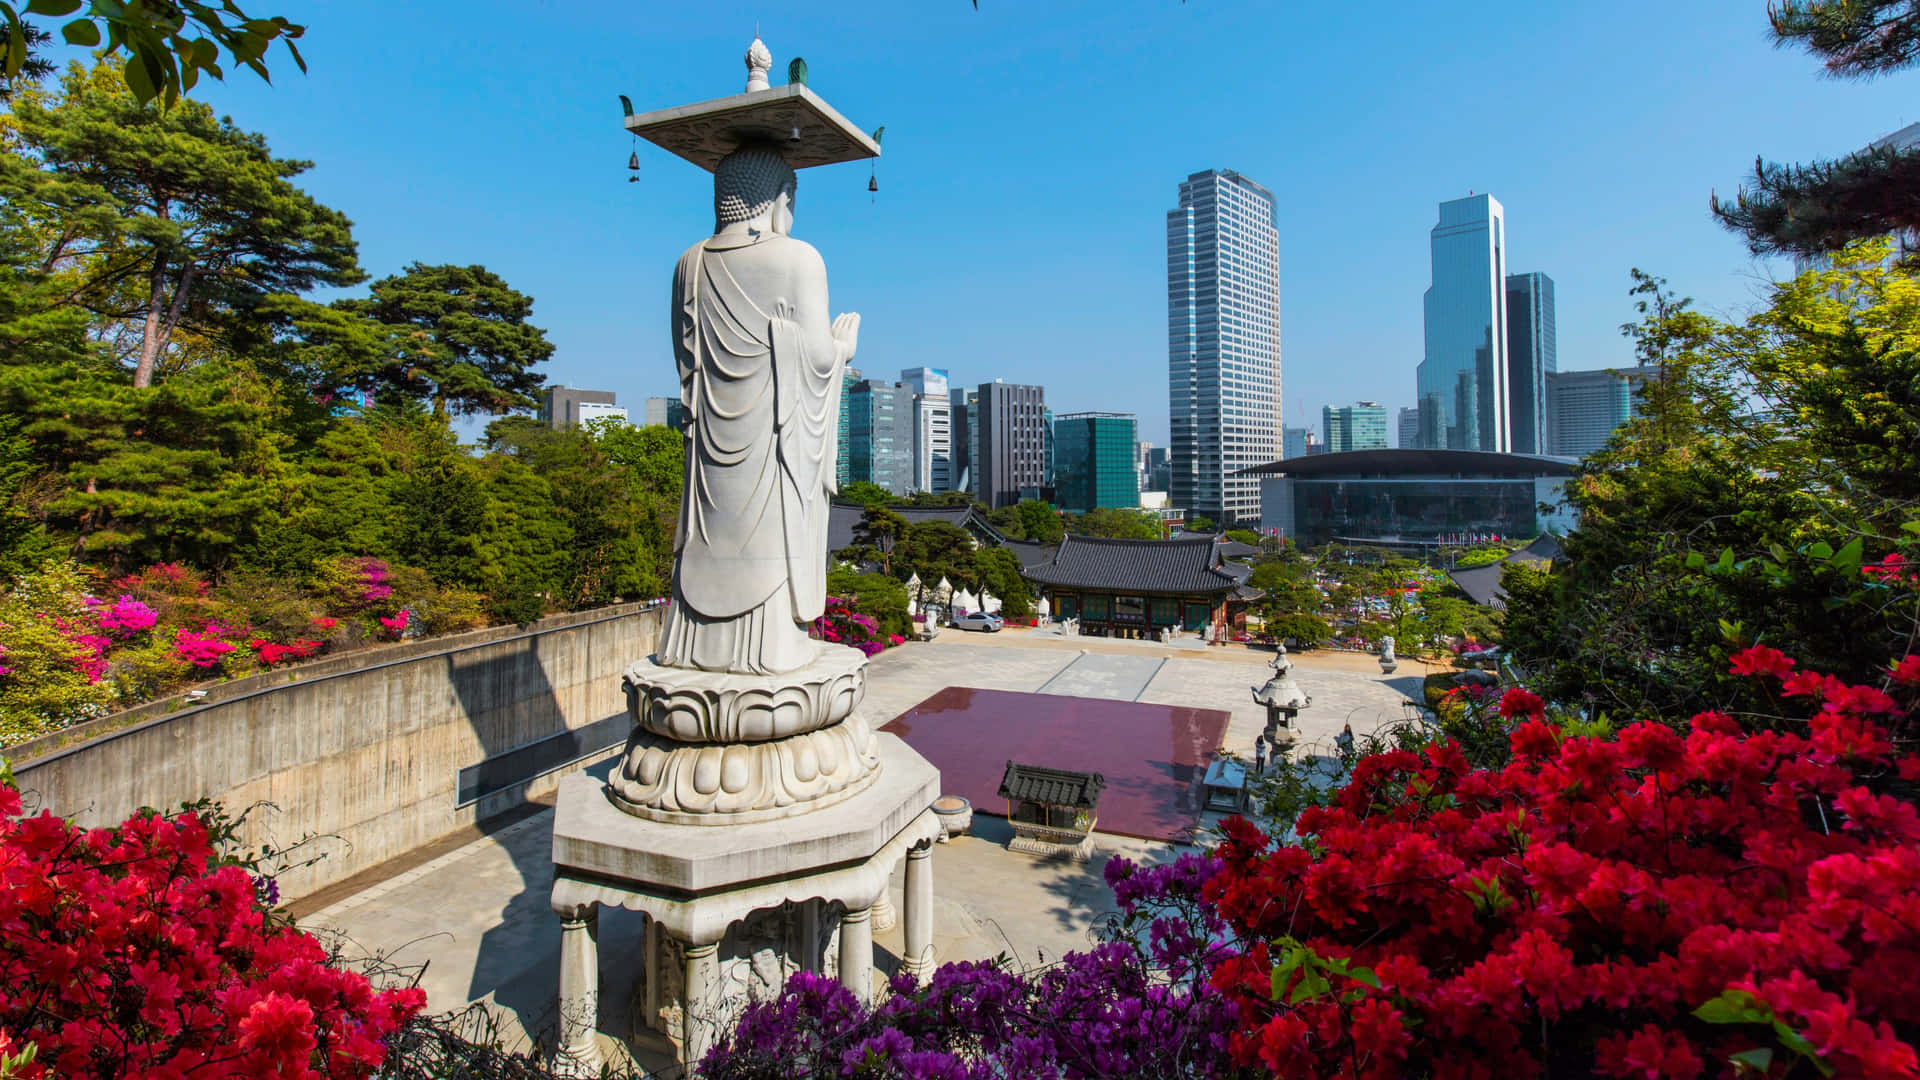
(1282, 697)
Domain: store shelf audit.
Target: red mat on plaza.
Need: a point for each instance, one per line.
(1152, 756)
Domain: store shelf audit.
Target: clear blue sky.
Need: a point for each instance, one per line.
(1033, 148)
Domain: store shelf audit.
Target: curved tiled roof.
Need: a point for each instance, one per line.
(1053, 787)
(1482, 583)
(1031, 553)
(842, 517)
(1156, 566)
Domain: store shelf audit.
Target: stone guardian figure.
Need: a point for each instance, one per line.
(760, 371)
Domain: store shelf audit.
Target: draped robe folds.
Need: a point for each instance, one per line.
(760, 381)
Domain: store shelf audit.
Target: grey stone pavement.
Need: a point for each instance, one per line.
(475, 913)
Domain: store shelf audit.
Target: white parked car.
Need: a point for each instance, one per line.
(979, 620)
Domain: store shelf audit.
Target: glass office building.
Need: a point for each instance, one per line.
(1223, 343)
(1531, 357)
(1466, 327)
(880, 434)
(1361, 426)
(1587, 405)
(1411, 497)
(1094, 464)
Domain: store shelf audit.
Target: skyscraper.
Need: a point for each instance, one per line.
(1293, 442)
(1008, 424)
(1531, 357)
(1409, 429)
(1361, 426)
(1095, 463)
(965, 446)
(880, 434)
(932, 428)
(1466, 325)
(1223, 343)
(1588, 405)
(843, 457)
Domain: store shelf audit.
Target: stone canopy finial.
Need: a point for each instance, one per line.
(759, 62)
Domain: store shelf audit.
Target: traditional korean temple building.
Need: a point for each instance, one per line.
(1138, 588)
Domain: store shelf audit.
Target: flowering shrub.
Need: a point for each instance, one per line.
(396, 624)
(202, 648)
(137, 950)
(126, 617)
(1139, 1005)
(1662, 904)
(845, 626)
(272, 654)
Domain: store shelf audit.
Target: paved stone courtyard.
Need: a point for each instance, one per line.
(475, 912)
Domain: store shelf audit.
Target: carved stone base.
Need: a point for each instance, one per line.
(691, 784)
(695, 706)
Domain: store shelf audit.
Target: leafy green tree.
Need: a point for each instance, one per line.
(168, 44)
(161, 220)
(877, 534)
(1774, 458)
(999, 574)
(468, 345)
(935, 550)
(1039, 521)
(936, 498)
(654, 458)
(1244, 536)
(1202, 525)
(866, 493)
(24, 543)
(1822, 207)
(1289, 589)
(1115, 524)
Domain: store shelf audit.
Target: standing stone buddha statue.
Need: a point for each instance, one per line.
(760, 372)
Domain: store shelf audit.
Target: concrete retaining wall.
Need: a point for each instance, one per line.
(375, 754)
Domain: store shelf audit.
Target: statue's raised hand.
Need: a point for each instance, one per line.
(846, 332)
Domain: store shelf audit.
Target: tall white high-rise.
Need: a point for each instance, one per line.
(1466, 326)
(1223, 343)
(933, 466)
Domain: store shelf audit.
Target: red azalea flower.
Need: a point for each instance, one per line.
(1521, 702)
(1761, 660)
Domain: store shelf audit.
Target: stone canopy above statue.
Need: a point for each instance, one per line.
(792, 119)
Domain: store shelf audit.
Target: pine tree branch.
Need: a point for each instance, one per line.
(1822, 207)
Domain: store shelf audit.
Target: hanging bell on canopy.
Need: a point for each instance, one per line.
(873, 183)
(633, 161)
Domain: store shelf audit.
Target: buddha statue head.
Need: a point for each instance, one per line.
(752, 182)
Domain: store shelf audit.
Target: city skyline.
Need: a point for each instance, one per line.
(549, 208)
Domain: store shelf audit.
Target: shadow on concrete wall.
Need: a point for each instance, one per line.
(518, 715)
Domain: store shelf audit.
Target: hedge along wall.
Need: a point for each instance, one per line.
(375, 752)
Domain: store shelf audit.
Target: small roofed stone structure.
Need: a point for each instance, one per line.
(1144, 588)
(1052, 811)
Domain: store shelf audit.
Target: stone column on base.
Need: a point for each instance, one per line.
(702, 1005)
(856, 953)
(808, 918)
(884, 914)
(919, 914)
(650, 970)
(579, 1053)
